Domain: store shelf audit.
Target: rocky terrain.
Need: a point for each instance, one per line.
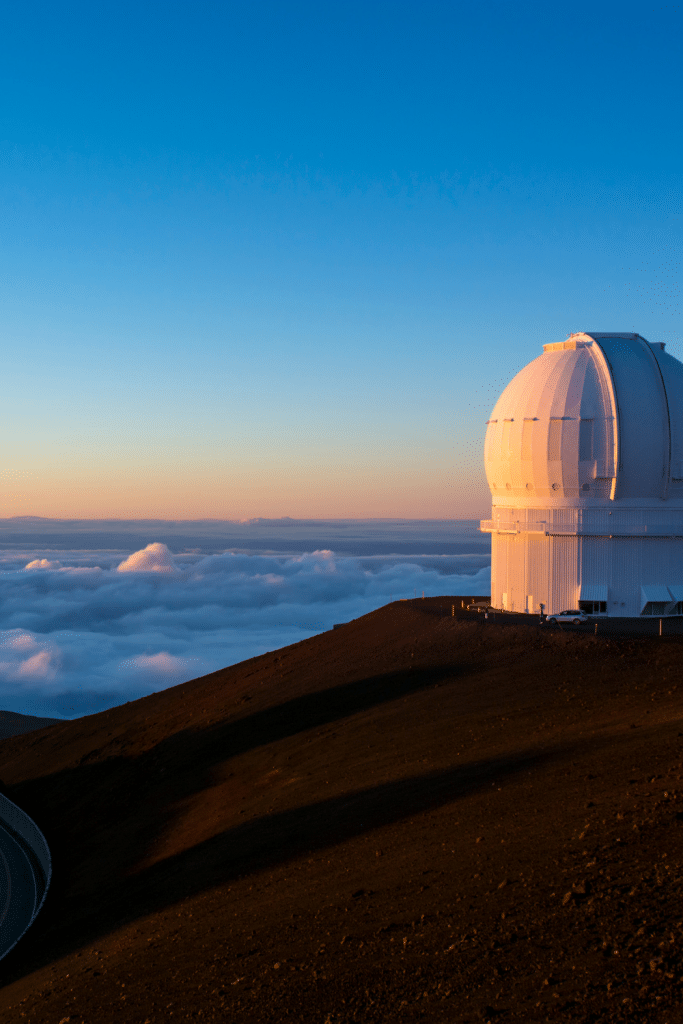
(411, 817)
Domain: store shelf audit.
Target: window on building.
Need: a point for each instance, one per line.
(655, 608)
(593, 607)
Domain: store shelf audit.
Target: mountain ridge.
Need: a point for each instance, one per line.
(414, 815)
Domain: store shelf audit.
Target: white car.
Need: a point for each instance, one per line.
(577, 618)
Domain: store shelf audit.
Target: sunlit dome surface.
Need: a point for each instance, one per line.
(584, 453)
(593, 419)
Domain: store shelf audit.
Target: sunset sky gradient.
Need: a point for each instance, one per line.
(276, 259)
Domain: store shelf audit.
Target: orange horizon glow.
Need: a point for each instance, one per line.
(349, 493)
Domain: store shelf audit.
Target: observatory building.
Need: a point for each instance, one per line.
(584, 459)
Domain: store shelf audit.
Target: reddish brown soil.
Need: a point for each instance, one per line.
(412, 817)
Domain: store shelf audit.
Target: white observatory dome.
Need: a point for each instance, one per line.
(595, 418)
(584, 459)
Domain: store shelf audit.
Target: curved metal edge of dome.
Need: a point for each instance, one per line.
(612, 391)
(627, 335)
(645, 346)
(660, 379)
(591, 339)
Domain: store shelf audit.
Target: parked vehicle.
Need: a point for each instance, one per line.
(480, 606)
(576, 617)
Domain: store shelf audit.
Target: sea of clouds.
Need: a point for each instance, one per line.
(83, 629)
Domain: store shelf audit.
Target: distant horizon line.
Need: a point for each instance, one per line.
(240, 522)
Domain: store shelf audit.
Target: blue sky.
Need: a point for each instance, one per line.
(280, 259)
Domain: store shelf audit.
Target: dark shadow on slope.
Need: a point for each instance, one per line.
(75, 919)
(101, 818)
(313, 710)
(189, 755)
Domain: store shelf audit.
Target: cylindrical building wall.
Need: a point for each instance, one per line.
(630, 573)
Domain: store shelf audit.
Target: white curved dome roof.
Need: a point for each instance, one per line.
(594, 419)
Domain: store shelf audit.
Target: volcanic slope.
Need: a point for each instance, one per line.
(412, 817)
(13, 724)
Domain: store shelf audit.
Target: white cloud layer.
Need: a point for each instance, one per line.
(92, 629)
(153, 558)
